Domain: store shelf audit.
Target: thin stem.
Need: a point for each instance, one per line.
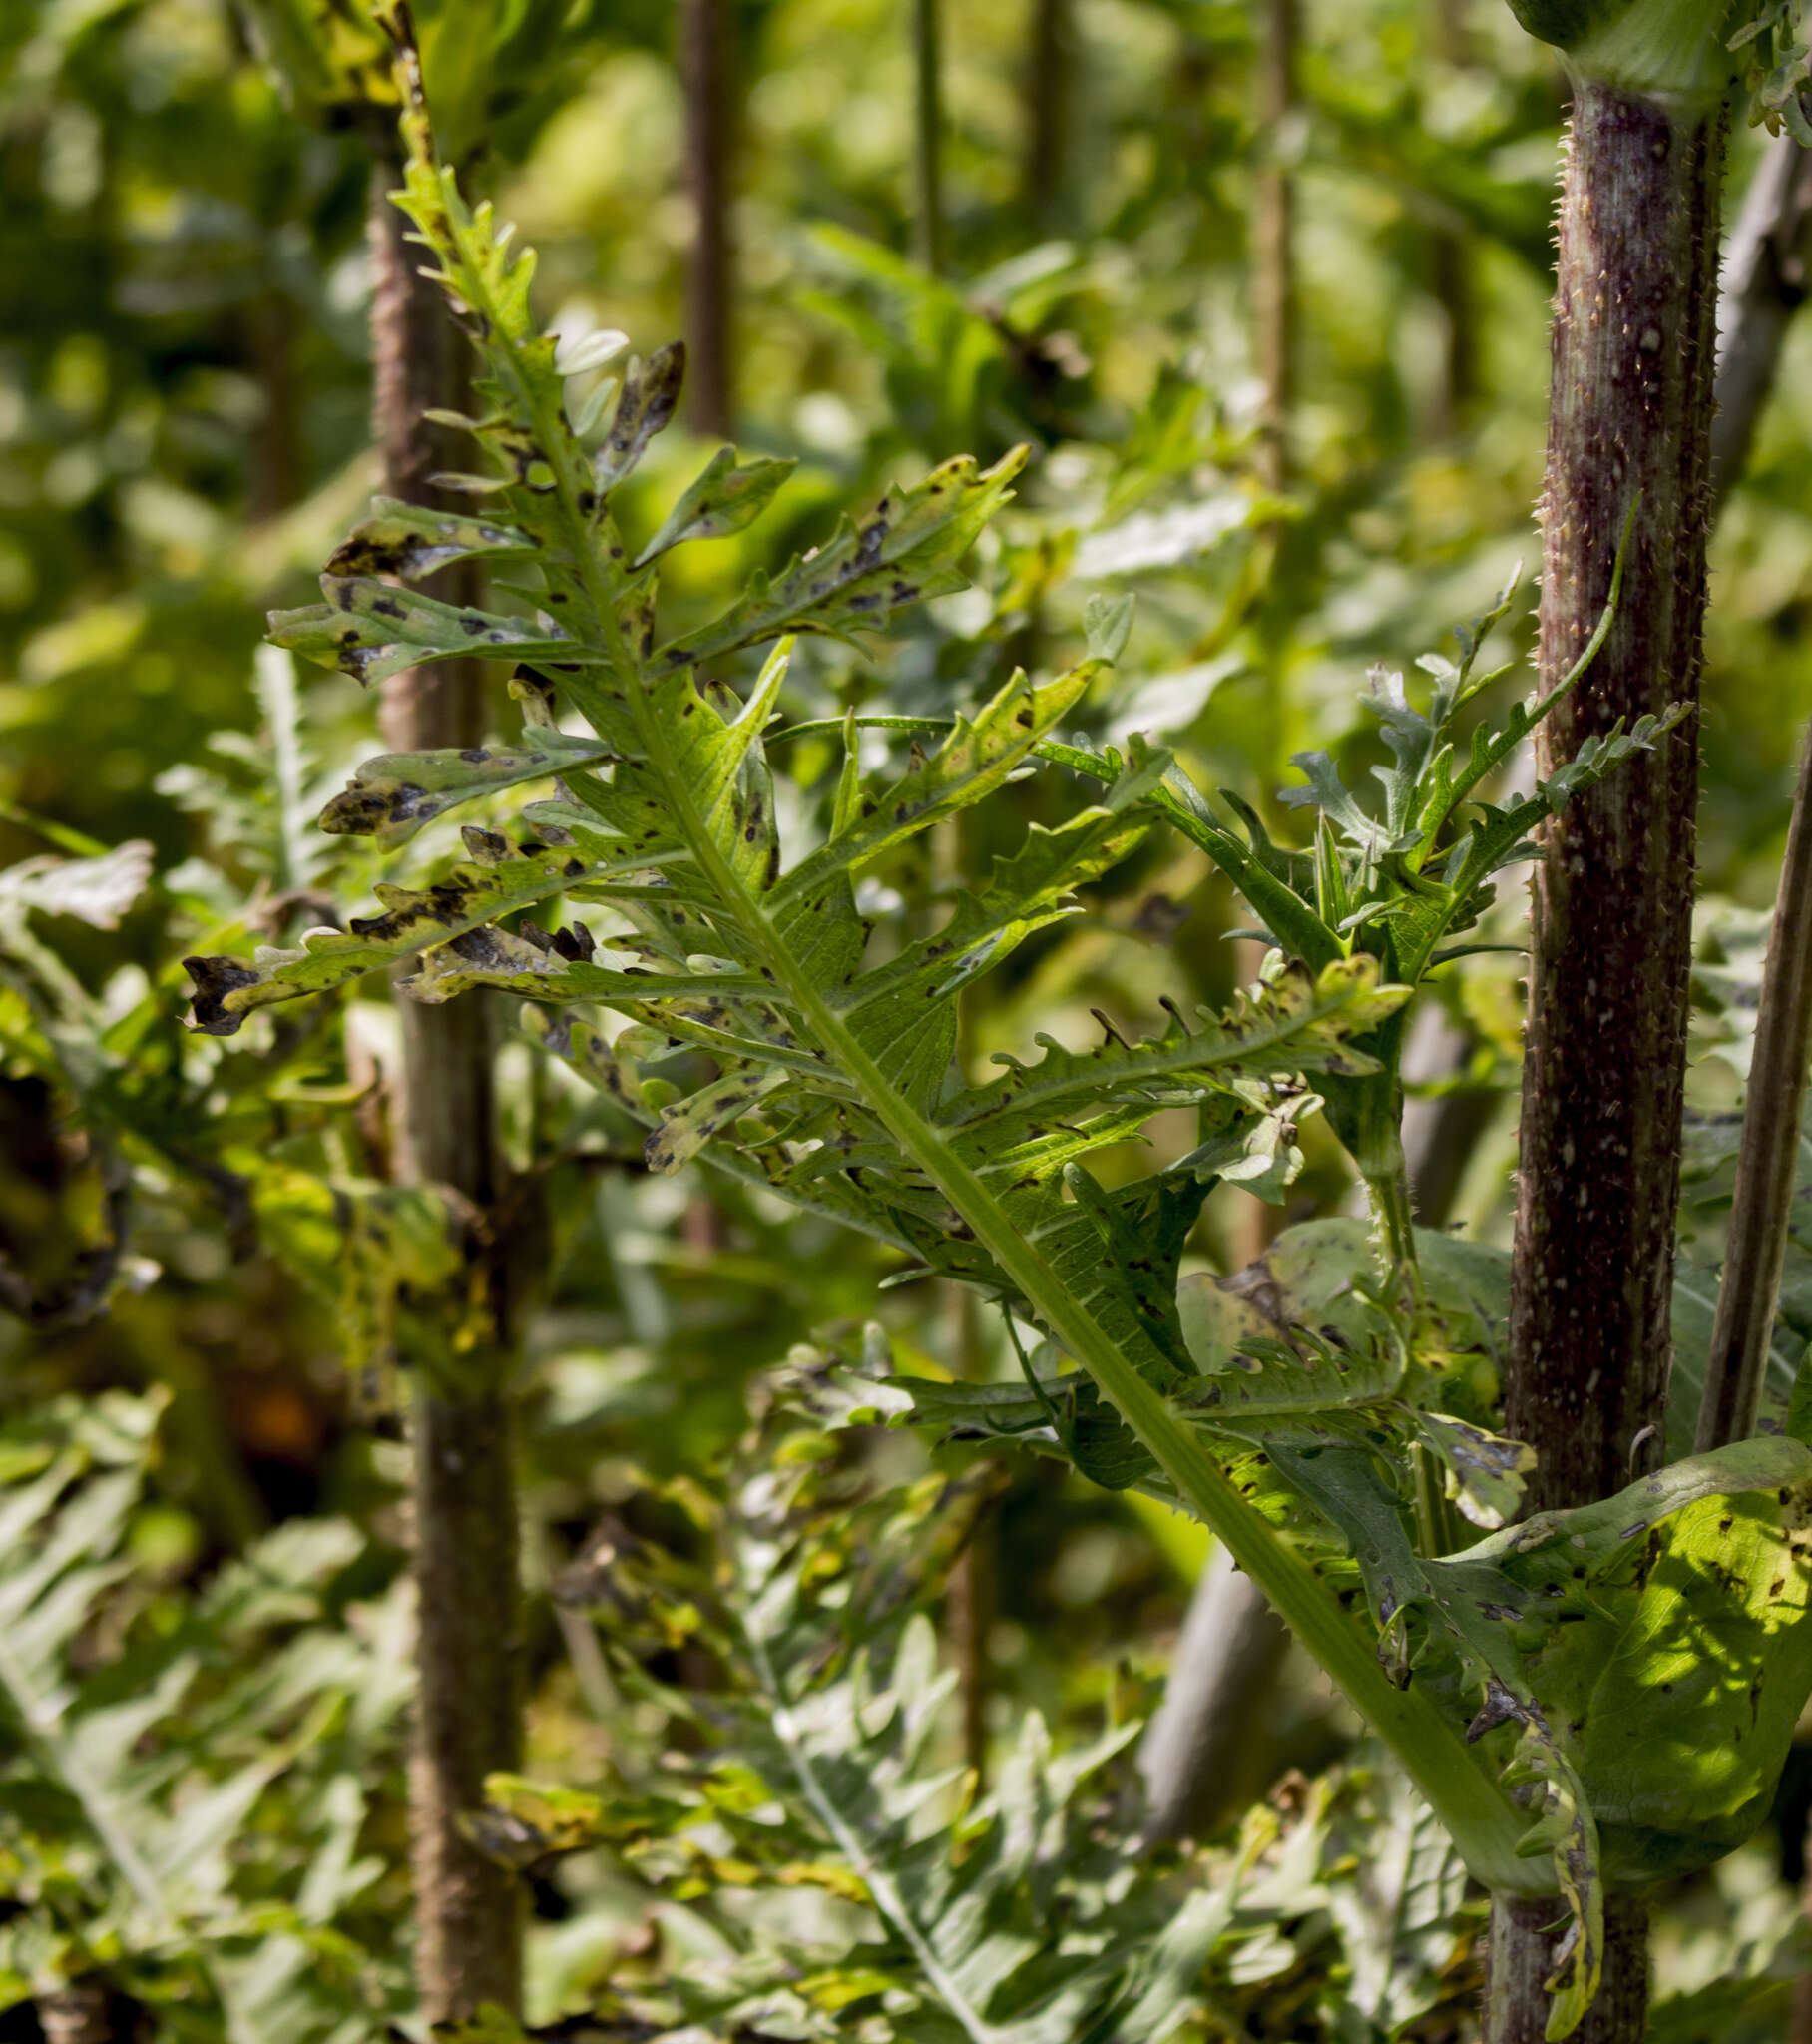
(467, 1719)
(928, 135)
(1050, 93)
(1767, 274)
(1273, 240)
(1762, 1211)
(706, 69)
(1393, 1214)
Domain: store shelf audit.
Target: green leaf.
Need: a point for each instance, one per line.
(725, 499)
(682, 840)
(412, 541)
(901, 552)
(1481, 1471)
(1108, 624)
(136, 1755)
(651, 396)
(465, 901)
(1681, 1680)
(97, 892)
(1025, 1920)
(1399, 1909)
(371, 631)
(1467, 1615)
(391, 797)
(1651, 1649)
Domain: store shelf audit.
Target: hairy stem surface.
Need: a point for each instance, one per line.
(1611, 900)
(1629, 421)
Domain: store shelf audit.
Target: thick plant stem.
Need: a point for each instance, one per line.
(704, 68)
(1611, 900)
(1766, 1164)
(469, 1929)
(1523, 1952)
(928, 134)
(1628, 422)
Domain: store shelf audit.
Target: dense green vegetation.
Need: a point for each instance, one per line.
(833, 1245)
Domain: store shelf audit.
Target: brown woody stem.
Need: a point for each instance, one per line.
(1628, 422)
(468, 1717)
(1523, 1953)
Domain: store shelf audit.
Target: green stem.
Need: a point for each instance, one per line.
(1393, 1216)
(928, 135)
(1476, 1813)
(1477, 1816)
(1480, 1820)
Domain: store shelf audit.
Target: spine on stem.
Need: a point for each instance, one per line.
(1631, 409)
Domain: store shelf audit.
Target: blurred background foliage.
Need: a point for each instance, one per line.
(184, 434)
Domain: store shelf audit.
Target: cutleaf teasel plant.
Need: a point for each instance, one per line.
(1588, 1697)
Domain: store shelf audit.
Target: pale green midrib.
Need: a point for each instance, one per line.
(1190, 1055)
(1477, 1817)
(551, 432)
(1480, 1820)
(882, 1889)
